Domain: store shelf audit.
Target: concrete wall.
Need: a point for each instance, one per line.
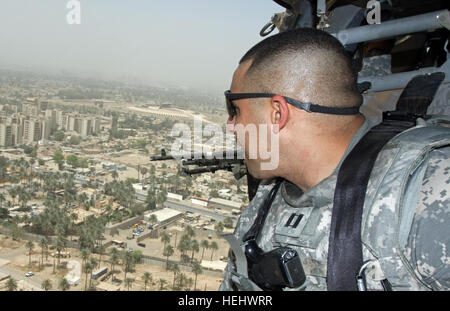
(124, 224)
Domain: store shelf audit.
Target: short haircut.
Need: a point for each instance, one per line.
(308, 57)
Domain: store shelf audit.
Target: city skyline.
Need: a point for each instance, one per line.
(194, 44)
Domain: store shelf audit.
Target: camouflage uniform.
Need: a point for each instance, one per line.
(427, 245)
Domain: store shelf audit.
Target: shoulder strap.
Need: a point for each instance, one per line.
(345, 246)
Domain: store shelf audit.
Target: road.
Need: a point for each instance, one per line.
(19, 275)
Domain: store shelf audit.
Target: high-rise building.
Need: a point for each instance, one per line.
(86, 127)
(59, 119)
(96, 126)
(31, 130)
(70, 123)
(50, 114)
(5, 135)
(46, 125)
(17, 133)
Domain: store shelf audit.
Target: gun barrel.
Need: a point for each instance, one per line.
(217, 155)
(161, 158)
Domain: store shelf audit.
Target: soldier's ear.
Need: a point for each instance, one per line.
(279, 112)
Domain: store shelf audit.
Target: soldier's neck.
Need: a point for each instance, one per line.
(319, 161)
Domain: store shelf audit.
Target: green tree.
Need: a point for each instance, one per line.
(101, 251)
(219, 227)
(168, 251)
(165, 238)
(72, 160)
(30, 246)
(11, 284)
(59, 135)
(146, 277)
(58, 157)
(129, 283)
(175, 269)
(46, 285)
(228, 222)
(205, 245)
(74, 140)
(195, 248)
(128, 263)
(162, 282)
(61, 244)
(196, 269)
(43, 243)
(113, 259)
(213, 247)
(87, 269)
(63, 284)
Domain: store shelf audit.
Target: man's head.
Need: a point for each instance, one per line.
(305, 64)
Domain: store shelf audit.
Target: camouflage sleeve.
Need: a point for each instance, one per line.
(226, 283)
(429, 238)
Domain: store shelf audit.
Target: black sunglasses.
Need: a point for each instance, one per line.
(310, 107)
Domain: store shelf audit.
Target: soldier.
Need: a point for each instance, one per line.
(281, 77)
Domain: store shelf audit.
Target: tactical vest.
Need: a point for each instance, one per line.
(401, 166)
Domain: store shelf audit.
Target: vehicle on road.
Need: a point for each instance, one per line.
(29, 273)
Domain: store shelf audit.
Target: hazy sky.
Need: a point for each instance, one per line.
(194, 43)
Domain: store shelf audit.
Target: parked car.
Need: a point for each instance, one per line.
(29, 273)
(141, 244)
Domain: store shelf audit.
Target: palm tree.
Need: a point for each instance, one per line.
(11, 285)
(47, 285)
(61, 244)
(129, 283)
(196, 269)
(84, 256)
(189, 283)
(43, 243)
(195, 248)
(63, 284)
(165, 238)
(184, 245)
(168, 251)
(189, 231)
(93, 263)
(101, 250)
(205, 245)
(146, 277)
(175, 269)
(87, 269)
(113, 259)
(127, 262)
(219, 228)
(30, 246)
(161, 282)
(213, 247)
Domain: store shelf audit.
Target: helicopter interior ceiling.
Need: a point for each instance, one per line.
(408, 52)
